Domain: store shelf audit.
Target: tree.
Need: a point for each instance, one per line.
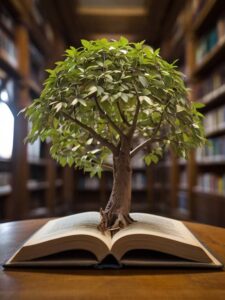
(119, 98)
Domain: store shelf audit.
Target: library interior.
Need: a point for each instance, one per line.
(90, 77)
(35, 34)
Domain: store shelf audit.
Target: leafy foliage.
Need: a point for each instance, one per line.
(108, 89)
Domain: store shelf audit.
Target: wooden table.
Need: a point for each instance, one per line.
(109, 284)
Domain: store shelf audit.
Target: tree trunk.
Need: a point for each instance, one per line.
(116, 213)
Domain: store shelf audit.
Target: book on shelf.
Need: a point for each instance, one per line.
(8, 49)
(211, 86)
(206, 44)
(211, 39)
(213, 151)
(149, 241)
(182, 200)
(214, 120)
(87, 183)
(212, 183)
(36, 64)
(139, 181)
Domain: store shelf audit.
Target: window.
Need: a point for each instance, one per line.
(6, 119)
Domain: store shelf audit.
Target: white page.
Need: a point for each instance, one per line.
(158, 226)
(78, 224)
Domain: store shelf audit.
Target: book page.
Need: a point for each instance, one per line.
(158, 226)
(78, 224)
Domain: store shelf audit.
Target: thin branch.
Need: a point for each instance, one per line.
(145, 143)
(98, 137)
(134, 123)
(105, 115)
(107, 167)
(122, 115)
(152, 138)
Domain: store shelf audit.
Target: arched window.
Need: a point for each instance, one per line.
(6, 119)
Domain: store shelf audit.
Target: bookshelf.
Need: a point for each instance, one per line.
(208, 78)
(31, 184)
(93, 193)
(199, 183)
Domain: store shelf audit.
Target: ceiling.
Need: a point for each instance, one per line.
(149, 20)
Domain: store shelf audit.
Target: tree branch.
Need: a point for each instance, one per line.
(98, 137)
(122, 115)
(105, 115)
(152, 138)
(107, 167)
(134, 123)
(145, 143)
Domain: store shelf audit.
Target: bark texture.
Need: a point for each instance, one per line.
(116, 213)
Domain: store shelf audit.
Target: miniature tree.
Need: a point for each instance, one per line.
(118, 98)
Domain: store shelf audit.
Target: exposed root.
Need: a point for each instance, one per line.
(113, 222)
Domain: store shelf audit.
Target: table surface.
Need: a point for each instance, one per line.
(109, 284)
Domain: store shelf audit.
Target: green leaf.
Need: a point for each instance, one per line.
(85, 43)
(95, 151)
(123, 41)
(154, 158)
(89, 142)
(143, 81)
(75, 101)
(180, 108)
(93, 89)
(104, 98)
(58, 106)
(82, 102)
(198, 105)
(155, 116)
(124, 97)
(100, 90)
(147, 160)
(146, 99)
(74, 149)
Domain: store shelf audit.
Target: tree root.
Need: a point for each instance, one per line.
(113, 221)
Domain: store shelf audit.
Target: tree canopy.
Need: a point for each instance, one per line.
(106, 90)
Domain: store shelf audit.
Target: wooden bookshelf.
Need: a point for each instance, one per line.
(205, 15)
(215, 56)
(202, 204)
(38, 187)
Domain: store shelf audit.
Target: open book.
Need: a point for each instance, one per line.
(150, 241)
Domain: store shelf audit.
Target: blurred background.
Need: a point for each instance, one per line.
(34, 34)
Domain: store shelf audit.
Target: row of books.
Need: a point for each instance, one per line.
(182, 200)
(183, 179)
(205, 87)
(212, 183)
(37, 64)
(7, 48)
(139, 182)
(213, 151)
(33, 150)
(88, 183)
(214, 120)
(210, 40)
(138, 161)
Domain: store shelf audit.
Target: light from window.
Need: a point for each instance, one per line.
(6, 131)
(4, 96)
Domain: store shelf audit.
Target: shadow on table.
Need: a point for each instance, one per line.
(84, 271)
